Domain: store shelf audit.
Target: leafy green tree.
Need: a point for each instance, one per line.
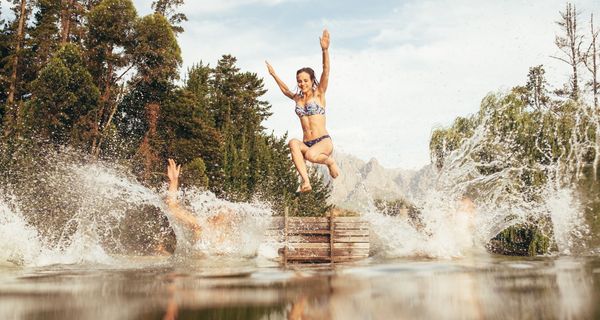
(156, 56)
(168, 9)
(44, 34)
(109, 42)
(64, 100)
(21, 10)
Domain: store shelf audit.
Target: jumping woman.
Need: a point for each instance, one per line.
(316, 145)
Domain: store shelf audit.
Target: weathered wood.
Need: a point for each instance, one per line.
(320, 239)
(341, 233)
(331, 230)
(348, 258)
(342, 245)
(352, 239)
(306, 238)
(308, 232)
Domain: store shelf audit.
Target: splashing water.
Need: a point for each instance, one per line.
(89, 213)
(19, 242)
(229, 228)
(495, 192)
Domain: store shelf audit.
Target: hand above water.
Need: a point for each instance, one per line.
(324, 40)
(173, 170)
(270, 68)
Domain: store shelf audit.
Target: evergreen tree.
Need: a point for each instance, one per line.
(4, 52)
(168, 9)
(109, 42)
(64, 100)
(156, 56)
(21, 10)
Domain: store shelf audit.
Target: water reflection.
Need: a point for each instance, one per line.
(483, 287)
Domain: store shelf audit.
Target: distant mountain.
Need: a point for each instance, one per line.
(360, 182)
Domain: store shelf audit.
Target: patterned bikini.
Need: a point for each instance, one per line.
(311, 108)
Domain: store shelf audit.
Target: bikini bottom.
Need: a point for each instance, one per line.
(311, 143)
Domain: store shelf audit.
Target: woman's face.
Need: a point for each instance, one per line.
(304, 82)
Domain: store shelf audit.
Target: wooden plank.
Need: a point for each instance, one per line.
(352, 239)
(309, 245)
(285, 235)
(350, 252)
(309, 251)
(298, 232)
(348, 219)
(345, 245)
(308, 238)
(351, 227)
(309, 226)
(309, 259)
(331, 229)
(308, 219)
(348, 258)
(341, 233)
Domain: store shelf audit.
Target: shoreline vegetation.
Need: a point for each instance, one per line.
(94, 77)
(537, 139)
(94, 81)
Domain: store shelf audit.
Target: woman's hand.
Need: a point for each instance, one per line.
(271, 70)
(324, 40)
(173, 171)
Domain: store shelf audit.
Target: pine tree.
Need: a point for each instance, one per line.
(156, 56)
(168, 9)
(109, 41)
(21, 10)
(44, 35)
(64, 100)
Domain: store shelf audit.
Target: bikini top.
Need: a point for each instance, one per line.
(309, 109)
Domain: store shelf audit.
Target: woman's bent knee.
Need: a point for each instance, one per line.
(294, 143)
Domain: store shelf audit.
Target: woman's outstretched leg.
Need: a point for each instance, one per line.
(298, 148)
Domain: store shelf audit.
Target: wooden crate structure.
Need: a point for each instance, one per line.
(320, 239)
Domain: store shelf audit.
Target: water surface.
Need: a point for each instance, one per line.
(480, 286)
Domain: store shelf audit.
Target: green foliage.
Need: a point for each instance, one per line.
(521, 240)
(111, 92)
(64, 98)
(44, 36)
(520, 141)
(314, 203)
(168, 9)
(194, 174)
(155, 50)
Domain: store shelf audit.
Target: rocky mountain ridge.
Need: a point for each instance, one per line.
(361, 183)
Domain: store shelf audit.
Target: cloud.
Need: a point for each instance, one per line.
(397, 72)
(211, 7)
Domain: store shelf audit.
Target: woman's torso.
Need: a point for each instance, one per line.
(311, 111)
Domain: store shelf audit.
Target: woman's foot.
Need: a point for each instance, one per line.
(334, 170)
(305, 187)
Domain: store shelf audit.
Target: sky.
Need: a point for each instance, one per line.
(399, 69)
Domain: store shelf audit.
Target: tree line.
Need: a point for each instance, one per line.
(94, 76)
(534, 135)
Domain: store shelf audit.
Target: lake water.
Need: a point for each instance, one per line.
(477, 286)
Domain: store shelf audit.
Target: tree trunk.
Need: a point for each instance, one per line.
(12, 106)
(594, 66)
(146, 150)
(100, 114)
(65, 21)
(573, 46)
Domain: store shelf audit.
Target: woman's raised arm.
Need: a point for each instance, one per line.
(286, 91)
(325, 48)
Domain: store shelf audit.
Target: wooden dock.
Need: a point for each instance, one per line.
(320, 239)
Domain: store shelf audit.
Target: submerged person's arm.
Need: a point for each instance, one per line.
(175, 209)
(282, 86)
